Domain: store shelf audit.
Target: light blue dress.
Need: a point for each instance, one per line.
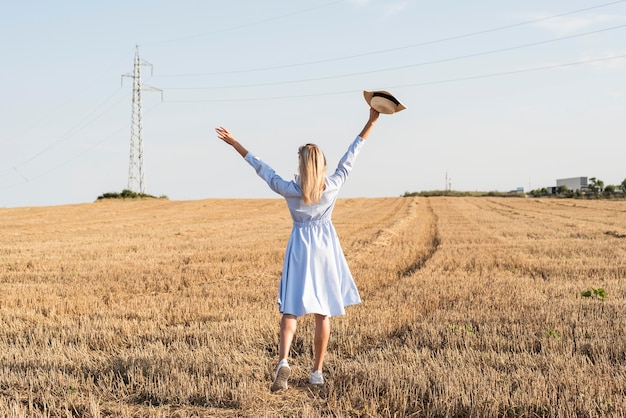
(315, 276)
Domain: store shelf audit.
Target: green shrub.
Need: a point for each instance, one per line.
(128, 194)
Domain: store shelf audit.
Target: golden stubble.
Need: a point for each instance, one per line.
(471, 307)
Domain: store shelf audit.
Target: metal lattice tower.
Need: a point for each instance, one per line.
(136, 174)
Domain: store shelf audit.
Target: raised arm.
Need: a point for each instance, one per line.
(370, 123)
(226, 136)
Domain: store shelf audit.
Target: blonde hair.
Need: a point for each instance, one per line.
(312, 173)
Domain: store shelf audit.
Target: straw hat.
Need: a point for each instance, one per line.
(383, 101)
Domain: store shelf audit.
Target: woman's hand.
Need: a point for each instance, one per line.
(374, 114)
(226, 136)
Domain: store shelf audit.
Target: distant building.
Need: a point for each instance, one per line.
(574, 183)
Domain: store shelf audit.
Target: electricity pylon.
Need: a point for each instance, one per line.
(136, 174)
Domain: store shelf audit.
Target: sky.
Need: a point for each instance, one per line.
(499, 95)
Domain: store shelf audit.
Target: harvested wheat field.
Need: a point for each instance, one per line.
(471, 307)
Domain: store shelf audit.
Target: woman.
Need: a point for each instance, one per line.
(315, 277)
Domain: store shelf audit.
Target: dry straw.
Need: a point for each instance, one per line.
(471, 307)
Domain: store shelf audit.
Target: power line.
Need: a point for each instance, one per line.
(258, 22)
(425, 83)
(47, 115)
(73, 131)
(504, 73)
(76, 156)
(402, 67)
(415, 45)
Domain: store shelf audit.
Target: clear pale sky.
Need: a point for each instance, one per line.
(499, 94)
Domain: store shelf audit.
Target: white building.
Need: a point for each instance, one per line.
(574, 183)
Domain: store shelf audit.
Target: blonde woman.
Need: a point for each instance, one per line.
(315, 277)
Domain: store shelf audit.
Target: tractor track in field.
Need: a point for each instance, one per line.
(430, 249)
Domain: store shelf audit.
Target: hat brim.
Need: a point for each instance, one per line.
(383, 101)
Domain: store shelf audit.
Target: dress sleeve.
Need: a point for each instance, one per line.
(345, 164)
(276, 182)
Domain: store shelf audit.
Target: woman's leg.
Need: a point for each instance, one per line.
(322, 334)
(287, 330)
(288, 325)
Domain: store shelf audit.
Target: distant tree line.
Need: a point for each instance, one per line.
(454, 193)
(595, 190)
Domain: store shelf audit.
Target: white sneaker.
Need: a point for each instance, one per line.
(316, 378)
(281, 376)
